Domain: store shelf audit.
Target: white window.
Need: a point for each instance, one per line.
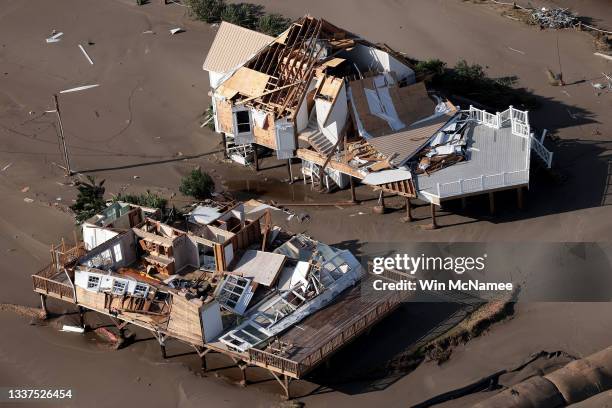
(141, 290)
(93, 282)
(235, 293)
(118, 254)
(119, 286)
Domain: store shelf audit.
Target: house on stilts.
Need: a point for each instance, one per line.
(353, 111)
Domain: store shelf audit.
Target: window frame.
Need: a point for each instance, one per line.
(98, 280)
(123, 282)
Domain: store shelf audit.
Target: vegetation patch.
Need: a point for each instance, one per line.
(473, 326)
(440, 348)
(147, 199)
(246, 15)
(471, 81)
(90, 199)
(198, 185)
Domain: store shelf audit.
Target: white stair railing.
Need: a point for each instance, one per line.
(545, 154)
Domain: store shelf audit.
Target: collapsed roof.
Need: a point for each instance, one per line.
(350, 108)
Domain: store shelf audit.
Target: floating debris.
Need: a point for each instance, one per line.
(86, 54)
(73, 329)
(555, 18)
(176, 30)
(55, 37)
(79, 88)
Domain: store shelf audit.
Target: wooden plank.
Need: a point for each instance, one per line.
(316, 158)
(247, 82)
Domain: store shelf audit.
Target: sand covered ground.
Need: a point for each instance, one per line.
(140, 130)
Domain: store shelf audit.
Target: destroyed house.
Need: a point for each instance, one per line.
(353, 110)
(114, 219)
(224, 280)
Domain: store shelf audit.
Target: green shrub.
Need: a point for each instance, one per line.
(471, 81)
(242, 14)
(90, 199)
(207, 10)
(432, 66)
(273, 24)
(147, 199)
(198, 185)
(209, 113)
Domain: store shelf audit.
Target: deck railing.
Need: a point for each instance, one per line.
(273, 362)
(519, 120)
(519, 124)
(482, 183)
(545, 154)
(46, 285)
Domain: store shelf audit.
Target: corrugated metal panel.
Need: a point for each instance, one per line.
(233, 45)
(406, 143)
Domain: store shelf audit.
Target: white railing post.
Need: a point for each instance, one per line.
(503, 178)
(438, 186)
(482, 186)
(460, 186)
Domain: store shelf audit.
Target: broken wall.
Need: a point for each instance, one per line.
(185, 253)
(118, 252)
(265, 135)
(369, 58)
(332, 115)
(94, 236)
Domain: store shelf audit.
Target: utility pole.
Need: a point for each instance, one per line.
(62, 139)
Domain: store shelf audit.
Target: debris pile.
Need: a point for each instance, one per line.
(447, 147)
(554, 18)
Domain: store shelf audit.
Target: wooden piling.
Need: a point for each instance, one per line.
(256, 157)
(289, 171)
(519, 198)
(43, 305)
(379, 208)
(353, 194)
(243, 381)
(408, 217)
(224, 137)
(492, 202)
(82, 316)
(434, 223)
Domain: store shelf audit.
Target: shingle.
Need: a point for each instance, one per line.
(233, 45)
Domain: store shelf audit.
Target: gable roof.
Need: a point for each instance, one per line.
(232, 46)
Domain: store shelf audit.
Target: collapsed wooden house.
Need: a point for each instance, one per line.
(350, 109)
(224, 280)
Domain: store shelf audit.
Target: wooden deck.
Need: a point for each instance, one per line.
(300, 349)
(48, 281)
